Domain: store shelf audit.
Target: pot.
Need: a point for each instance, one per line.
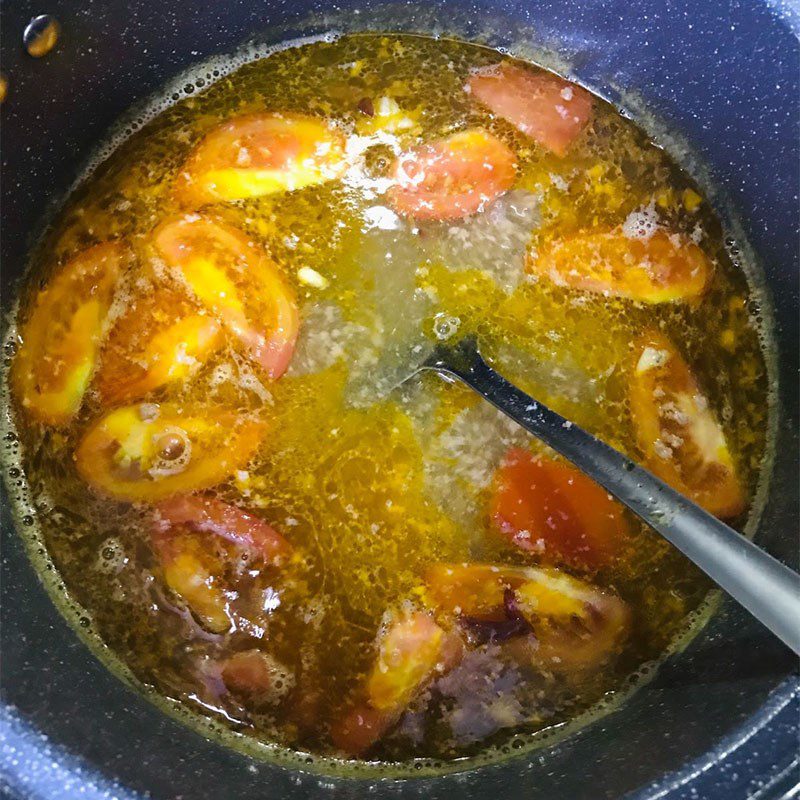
(716, 83)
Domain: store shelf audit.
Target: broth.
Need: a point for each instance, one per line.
(373, 485)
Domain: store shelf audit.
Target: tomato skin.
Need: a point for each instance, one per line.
(159, 340)
(577, 627)
(260, 154)
(61, 339)
(657, 270)
(551, 509)
(120, 454)
(544, 107)
(452, 177)
(681, 440)
(206, 514)
(191, 572)
(237, 282)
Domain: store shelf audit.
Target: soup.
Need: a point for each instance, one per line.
(262, 518)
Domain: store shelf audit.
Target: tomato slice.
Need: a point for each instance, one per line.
(412, 649)
(60, 340)
(681, 440)
(409, 650)
(477, 590)
(544, 107)
(160, 339)
(550, 508)
(237, 282)
(191, 569)
(192, 573)
(452, 177)
(576, 625)
(149, 452)
(209, 515)
(665, 268)
(260, 154)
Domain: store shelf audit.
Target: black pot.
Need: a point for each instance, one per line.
(714, 82)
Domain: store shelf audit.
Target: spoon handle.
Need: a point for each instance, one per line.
(769, 590)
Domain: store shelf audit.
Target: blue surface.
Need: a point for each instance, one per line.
(31, 768)
(724, 74)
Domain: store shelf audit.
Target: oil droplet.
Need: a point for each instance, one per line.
(41, 35)
(14, 472)
(3, 87)
(444, 326)
(27, 520)
(84, 622)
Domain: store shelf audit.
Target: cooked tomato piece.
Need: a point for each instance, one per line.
(581, 645)
(412, 648)
(149, 452)
(359, 729)
(477, 590)
(452, 177)
(260, 154)
(61, 338)
(209, 515)
(191, 571)
(681, 440)
(160, 339)
(548, 109)
(237, 282)
(665, 268)
(576, 625)
(550, 508)
(251, 674)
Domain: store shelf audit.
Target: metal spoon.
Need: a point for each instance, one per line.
(769, 590)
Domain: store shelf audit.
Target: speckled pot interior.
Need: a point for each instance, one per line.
(717, 84)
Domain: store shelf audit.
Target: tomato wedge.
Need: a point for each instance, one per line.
(412, 649)
(409, 651)
(477, 590)
(209, 515)
(681, 440)
(61, 338)
(237, 282)
(576, 625)
(665, 268)
(192, 573)
(149, 452)
(260, 154)
(160, 339)
(552, 509)
(544, 107)
(452, 177)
